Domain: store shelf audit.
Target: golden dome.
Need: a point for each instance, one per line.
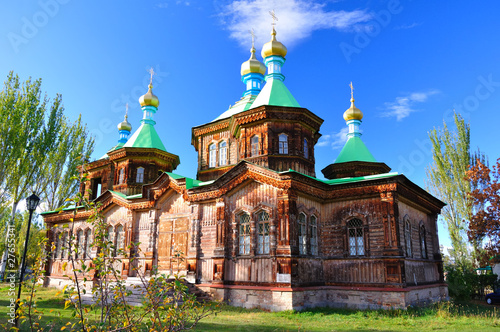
(149, 99)
(273, 47)
(353, 113)
(252, 65)
(125, 125)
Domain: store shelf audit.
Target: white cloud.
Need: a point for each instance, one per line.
(407, 26)
(297, 19)
(403, 106)
(335, 140)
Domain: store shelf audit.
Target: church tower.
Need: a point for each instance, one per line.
(354, 159)
(266, 126)
(136, 160)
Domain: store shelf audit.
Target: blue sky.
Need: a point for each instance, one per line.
(411, 64)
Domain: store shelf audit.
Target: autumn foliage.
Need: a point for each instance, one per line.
(485, 199)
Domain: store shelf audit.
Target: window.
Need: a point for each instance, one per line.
(140, 175)
(356, 240)
(63, 245)
(423, 242)
(283, 144)
(110, 239)
(302, 234)
(88, 241)
(118, 240)
(244, 240)
(313, 233)
(263, 233)
(222, 153)
(306, 149)
(57, 243)
(254, 142)
(408, 238)
(121, 177)
(79, 242)
(211, 155)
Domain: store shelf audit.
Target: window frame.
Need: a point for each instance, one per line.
(283, 144)
(118, 238)
(139, 178)
(408, 242)
(254, 146)
(223, 148)
(244, 242)
(423, 242)
(212, 155)
(306, 149)
(88, 239)
(302, 233)
(263, 233)
(357, 232)
(121, 175)
(313, 235)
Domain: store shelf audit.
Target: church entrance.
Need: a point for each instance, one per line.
(172, 244)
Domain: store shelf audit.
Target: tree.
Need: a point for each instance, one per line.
(39, 148)
(447, 180)
(485, 207)
(73, 149)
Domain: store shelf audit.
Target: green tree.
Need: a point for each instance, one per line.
(73, 149)
(446, 178)
(39, 147)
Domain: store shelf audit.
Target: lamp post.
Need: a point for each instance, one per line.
(31, 204)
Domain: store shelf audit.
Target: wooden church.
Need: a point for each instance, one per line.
(256, 227)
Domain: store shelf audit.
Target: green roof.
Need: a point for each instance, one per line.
(145, 137)
(354, 150)
(240, 106)
(275, 93)
(347, 180)
(190, 183)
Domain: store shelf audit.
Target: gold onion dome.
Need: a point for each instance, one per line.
(252, 65)
(125, 125)
(273, 47)
(353, 113)
(149, 99)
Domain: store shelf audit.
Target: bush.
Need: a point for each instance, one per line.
(465, 283)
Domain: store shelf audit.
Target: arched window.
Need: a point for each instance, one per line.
(222, 153)
(64, 237)
(118, 240)
(313, 234)
(111, 239)
(283, 144)
(88, 241)
(263, 233)
(408, 238)
(57, 244)
(254, 142)
(356, 237)
(244, 234)
(423, 242)
(121, 177)
(140, 175)
(212, 155)
(79, 244)
(306, 149)
(302, 234)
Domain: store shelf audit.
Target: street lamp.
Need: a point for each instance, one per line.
(31, 204)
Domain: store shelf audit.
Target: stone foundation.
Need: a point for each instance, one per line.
(277, 299)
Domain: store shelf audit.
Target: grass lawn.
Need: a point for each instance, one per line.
(443, 317)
